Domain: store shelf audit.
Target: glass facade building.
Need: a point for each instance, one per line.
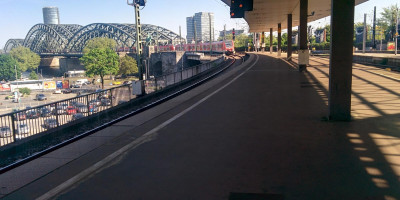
(51, 15)
(202, 21)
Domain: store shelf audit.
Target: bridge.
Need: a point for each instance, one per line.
(70, 39)
(275, 126)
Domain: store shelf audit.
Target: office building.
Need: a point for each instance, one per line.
(51, 15)
(202, 21)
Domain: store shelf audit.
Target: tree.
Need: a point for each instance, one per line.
(101, 62)
(26, 59)
(33, 75)
(388, 20)
(7, 68)
(242, 40)
(284, 39)
(100, 43)
(127, 66)
(25, 91)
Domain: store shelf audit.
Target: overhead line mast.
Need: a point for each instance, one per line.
(136, 4)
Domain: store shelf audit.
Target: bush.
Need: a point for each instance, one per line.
(25, 91)
(33, 75)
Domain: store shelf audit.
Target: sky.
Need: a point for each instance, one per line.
(18, 16)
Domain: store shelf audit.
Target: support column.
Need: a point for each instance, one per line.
(303, 51)
(262, 41)
(341, 59)
(289, 37)
(271, 37)
(279, 39)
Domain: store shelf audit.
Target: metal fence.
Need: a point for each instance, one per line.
(32, 121)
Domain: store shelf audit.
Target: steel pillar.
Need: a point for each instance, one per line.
(138, 41)
(341, 59)
(364, 34)
(279, 39)
(289, 37)
(303, 52)
(271, 37)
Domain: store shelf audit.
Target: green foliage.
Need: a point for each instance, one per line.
(33, 75)
(284, 39)
(25, 91)
(99, 43)
(7, 68)
(101, 62)
(26, 59)
(242, 40)
(388, 21)
(127, 66)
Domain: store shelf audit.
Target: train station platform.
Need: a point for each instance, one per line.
(257, 131)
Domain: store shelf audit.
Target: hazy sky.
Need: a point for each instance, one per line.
(18, 16)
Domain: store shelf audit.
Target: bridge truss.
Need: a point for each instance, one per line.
(66, 38)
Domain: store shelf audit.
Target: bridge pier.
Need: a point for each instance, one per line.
(167, 62)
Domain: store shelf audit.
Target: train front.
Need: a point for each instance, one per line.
(229, 47)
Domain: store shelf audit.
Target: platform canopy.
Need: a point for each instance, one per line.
(267, 14)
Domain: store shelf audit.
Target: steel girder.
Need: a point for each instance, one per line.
(123, 34)
(44, 38)
(11, 43)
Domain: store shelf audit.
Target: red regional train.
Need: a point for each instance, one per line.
(226, 47)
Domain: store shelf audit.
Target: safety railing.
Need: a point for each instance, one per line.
(32, 121)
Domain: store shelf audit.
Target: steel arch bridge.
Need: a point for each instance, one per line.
(65, 38)
(11, 43)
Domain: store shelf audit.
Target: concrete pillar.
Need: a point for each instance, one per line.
(303, 50)
(289, 37)
(279, 39)
(262, 41)
(271, 37)
(341, 59)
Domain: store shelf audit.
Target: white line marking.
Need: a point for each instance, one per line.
(147, 137)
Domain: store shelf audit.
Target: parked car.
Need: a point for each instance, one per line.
(71, 110)
(95, 102)
(73, 103)
(58, 111)
(93, 108)
(62, 106)
(20, 116)
(105, 102)
(103, 94)
(10, 96)
(23, 129)
(41, 97)
(81, 109)
(45, 112)
(127, 82)
(5, 131)
(66, 91)
(32, 114)
(77, 116)
(57, 91)
(116, 83)
(50, 123)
